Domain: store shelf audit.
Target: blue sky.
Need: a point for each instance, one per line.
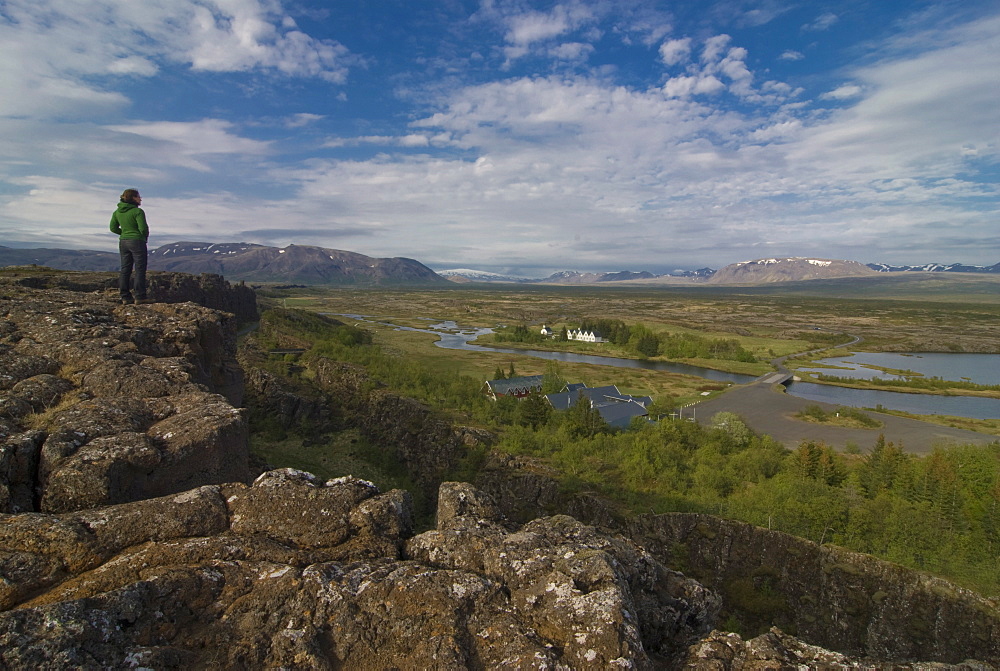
(521, 137)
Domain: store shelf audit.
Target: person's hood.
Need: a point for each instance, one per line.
(125, 207)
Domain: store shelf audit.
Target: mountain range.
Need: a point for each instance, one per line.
(746, 272)
(300, 264)
(304, 264)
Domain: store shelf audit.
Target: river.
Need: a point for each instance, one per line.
(452, 336)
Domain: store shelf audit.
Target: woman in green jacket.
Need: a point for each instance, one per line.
(129, 223)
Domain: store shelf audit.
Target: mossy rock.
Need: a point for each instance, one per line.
(705, 531)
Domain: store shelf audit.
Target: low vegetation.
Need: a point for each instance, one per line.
(934, 385)
(842, 416)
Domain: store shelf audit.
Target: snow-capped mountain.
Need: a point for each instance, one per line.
(470, 275)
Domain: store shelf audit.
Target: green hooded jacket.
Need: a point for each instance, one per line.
(129, 222)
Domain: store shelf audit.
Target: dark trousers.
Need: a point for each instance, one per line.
(133, 255)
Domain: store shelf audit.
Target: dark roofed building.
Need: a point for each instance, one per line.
(515, 386)
(615, 408)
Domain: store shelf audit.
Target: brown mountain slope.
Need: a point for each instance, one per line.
(788, 270)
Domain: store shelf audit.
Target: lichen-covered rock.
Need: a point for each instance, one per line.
(258, 576)
(774, 649)
(105, 403)
(600, 599)
(299, 510)
(726, 651)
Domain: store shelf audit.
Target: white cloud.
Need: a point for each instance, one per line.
(302, 119)
(414, 140)
(189, 144)
(919, 112)
(235, 35)
(683, 86)
(531, 27)
(673, 52)
(683, 176)
(791, 55)
(551, 168)
(64, 56)
(844, 92)
(822, 22)
(410, 140)
(714, 47)
(572, 51)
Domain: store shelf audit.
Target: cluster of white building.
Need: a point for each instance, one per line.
(581, 335)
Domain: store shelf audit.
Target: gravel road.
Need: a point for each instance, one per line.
(772, 412)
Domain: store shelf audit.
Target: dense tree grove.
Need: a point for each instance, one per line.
(518, 333)
(939, 513)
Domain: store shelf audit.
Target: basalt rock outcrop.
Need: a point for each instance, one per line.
(850, 602)
(295, 572)
(292, 572)
(105, 403)
(207, 290)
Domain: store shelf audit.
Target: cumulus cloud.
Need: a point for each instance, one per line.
(245, 34)
(720, 67)
(683, 86)
(677, 51)
(714, 47)
(550, 166)
(66, 55)
(532, 26)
